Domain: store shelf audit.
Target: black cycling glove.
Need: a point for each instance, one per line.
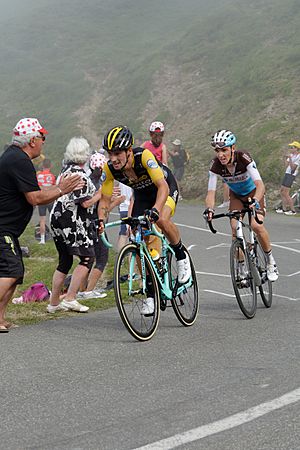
(207, 212)
(152, 214)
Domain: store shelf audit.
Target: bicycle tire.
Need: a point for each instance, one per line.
(265, 289)
(129, 303)
(243, 284)
(186, 304)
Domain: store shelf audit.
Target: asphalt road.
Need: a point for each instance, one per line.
(225, 383)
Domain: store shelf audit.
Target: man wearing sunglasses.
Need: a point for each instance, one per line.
(19, 192)
(238, 170)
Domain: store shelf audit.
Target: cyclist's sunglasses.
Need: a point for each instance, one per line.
(221, 147)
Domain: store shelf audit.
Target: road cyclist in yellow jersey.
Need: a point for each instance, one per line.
(155, 192)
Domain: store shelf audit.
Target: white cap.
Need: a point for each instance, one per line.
(177, 142)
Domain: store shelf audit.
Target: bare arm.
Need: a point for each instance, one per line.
(116, 201)
(162, 194)
(96, 197)
(210, 199)
(66, 184)
(260, 189)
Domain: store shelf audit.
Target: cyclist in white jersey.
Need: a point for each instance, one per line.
(238, 170)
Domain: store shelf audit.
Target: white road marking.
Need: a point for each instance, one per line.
(230, 295)
(219, 293)
(292, 274)
(219, 245)
(200, 229)
(286, 298)
(213, 274)
(286, 248)
(224, 424)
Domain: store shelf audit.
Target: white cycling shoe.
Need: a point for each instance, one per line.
(148, 307)
(272, 272)
(184, 270)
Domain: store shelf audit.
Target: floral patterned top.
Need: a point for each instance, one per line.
(71, 224)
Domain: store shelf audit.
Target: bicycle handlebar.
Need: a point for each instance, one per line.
(132, 222)
(233, 215)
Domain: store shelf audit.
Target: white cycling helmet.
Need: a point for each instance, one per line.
(97, 160)
(157, 126)
(223, 138)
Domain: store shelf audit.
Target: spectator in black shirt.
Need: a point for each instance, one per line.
(19, 192)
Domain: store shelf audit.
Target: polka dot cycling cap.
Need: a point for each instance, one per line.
(28, 126)
(97, 160)
(157, 127)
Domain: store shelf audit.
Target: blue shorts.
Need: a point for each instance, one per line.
(43, 209)
(123, 227)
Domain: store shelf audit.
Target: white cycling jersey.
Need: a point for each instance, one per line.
(241, 181)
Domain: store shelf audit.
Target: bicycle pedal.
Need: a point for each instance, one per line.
(136, 292)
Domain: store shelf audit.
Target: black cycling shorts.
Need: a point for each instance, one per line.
(146, 200)
(11, 262)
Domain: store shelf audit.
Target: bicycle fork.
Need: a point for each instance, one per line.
(249, 248)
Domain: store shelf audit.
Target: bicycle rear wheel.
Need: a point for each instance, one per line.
(185, 303)
(265, 289)
(129, 294)
(242, 279)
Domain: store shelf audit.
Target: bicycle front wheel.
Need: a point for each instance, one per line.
(265, 289)
(131, 299)
(185, 302)
(242, 279)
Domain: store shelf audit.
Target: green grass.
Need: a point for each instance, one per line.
(40, 266)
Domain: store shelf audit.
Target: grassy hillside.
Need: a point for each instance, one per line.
(197, 65)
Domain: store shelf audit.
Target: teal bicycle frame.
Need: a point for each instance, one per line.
(169, 288)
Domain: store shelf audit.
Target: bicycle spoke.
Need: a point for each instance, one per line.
(185, 302)
(242, 279)
(131, 297)
(266, 287)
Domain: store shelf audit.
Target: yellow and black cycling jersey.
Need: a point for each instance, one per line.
(147, 170)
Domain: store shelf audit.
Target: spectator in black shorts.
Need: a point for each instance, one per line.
(19, 192)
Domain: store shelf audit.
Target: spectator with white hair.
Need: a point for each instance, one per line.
(19, 192)
(73, 228)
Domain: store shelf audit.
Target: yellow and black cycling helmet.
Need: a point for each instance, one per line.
(118, 138)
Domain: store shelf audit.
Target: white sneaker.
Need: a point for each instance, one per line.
(91, 294)
(184, 270)
(58, 308)
(74, 305)
(279, 211)
(148, 307)
(272, 272)
(290, 213)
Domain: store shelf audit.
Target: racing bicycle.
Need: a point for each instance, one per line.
(248, 263)
(137, 276)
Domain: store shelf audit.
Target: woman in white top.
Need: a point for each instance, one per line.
(292, 168)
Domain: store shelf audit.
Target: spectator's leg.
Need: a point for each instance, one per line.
(43, 229)
(7, 288)
(57, 284)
